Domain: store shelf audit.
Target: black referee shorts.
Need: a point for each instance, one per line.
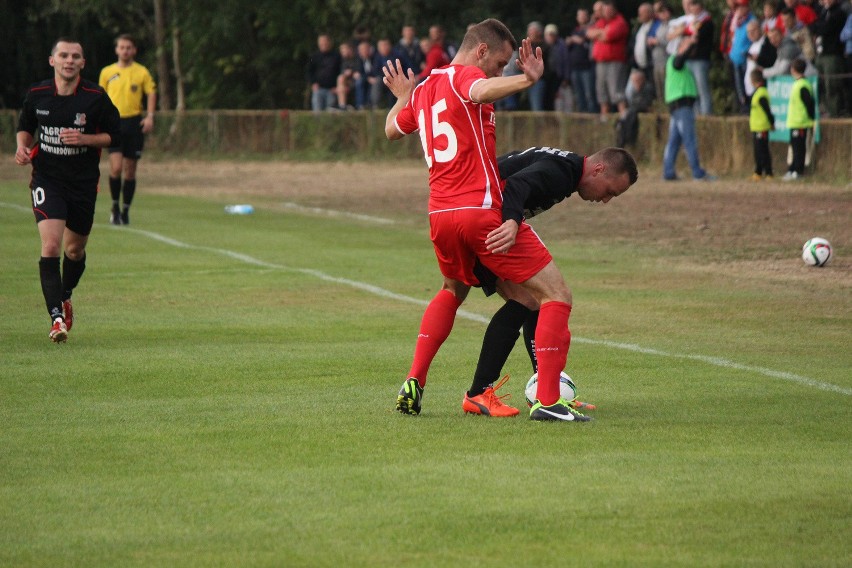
(132, 139)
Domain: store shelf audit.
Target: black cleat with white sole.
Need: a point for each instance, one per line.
(558, 411)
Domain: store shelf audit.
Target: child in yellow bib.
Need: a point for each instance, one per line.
(760, 122)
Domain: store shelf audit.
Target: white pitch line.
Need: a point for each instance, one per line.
(16, 207)
(307, 271)
(334, 213)
(720, 362)
(370, 288)
(716, 361)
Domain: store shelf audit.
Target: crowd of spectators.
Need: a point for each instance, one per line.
(608, 64)
(349, 77)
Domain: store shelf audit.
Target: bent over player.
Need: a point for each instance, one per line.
(536, 179)
(73, 118)
(454, 113)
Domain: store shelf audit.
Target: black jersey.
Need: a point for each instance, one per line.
(537, 179)
(88, 110)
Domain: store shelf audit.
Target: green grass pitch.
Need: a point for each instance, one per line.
(226, 398)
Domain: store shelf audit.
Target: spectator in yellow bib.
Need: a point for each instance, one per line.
(127, 82)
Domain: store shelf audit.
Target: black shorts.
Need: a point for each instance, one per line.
(132, 139)
(487, 279)
(72, 202)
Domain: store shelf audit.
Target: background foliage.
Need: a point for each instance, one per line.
(242, 53)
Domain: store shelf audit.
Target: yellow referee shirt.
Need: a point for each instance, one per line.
(125, 87)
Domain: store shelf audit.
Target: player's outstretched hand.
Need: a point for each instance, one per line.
(502, 238)
(399, 83)
(530, 61)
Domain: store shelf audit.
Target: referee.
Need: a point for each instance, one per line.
(73, 119)
(126, 81)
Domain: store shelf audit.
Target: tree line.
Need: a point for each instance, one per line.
(240, 54)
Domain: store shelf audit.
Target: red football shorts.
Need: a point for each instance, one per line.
(459, 238)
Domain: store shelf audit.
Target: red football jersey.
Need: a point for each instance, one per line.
(458, 139)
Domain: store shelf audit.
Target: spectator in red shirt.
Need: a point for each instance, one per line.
(436, 57)
(610, 34)
(804, 14)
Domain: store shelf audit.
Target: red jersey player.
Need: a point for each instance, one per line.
(454, 113)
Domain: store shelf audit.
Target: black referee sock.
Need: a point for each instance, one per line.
(500, 337)
(115, 189)
(129, 190)
(529, 337)
(72, 270)
(51, 285)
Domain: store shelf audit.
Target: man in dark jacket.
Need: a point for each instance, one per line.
(322, 72)
(830, 59)
(580, 65)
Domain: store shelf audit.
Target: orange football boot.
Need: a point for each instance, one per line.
(488, 403)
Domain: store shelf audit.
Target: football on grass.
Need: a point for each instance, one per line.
(567, 390)
(816, 252)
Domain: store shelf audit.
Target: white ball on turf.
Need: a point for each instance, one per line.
(816, 252)
(567, 390)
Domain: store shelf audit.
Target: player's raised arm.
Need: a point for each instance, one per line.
(530, 61)
(401, 85)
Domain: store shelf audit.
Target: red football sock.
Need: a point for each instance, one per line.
(552, 340)
(435, 327)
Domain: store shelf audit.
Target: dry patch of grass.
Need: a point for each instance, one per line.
(744, 228)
